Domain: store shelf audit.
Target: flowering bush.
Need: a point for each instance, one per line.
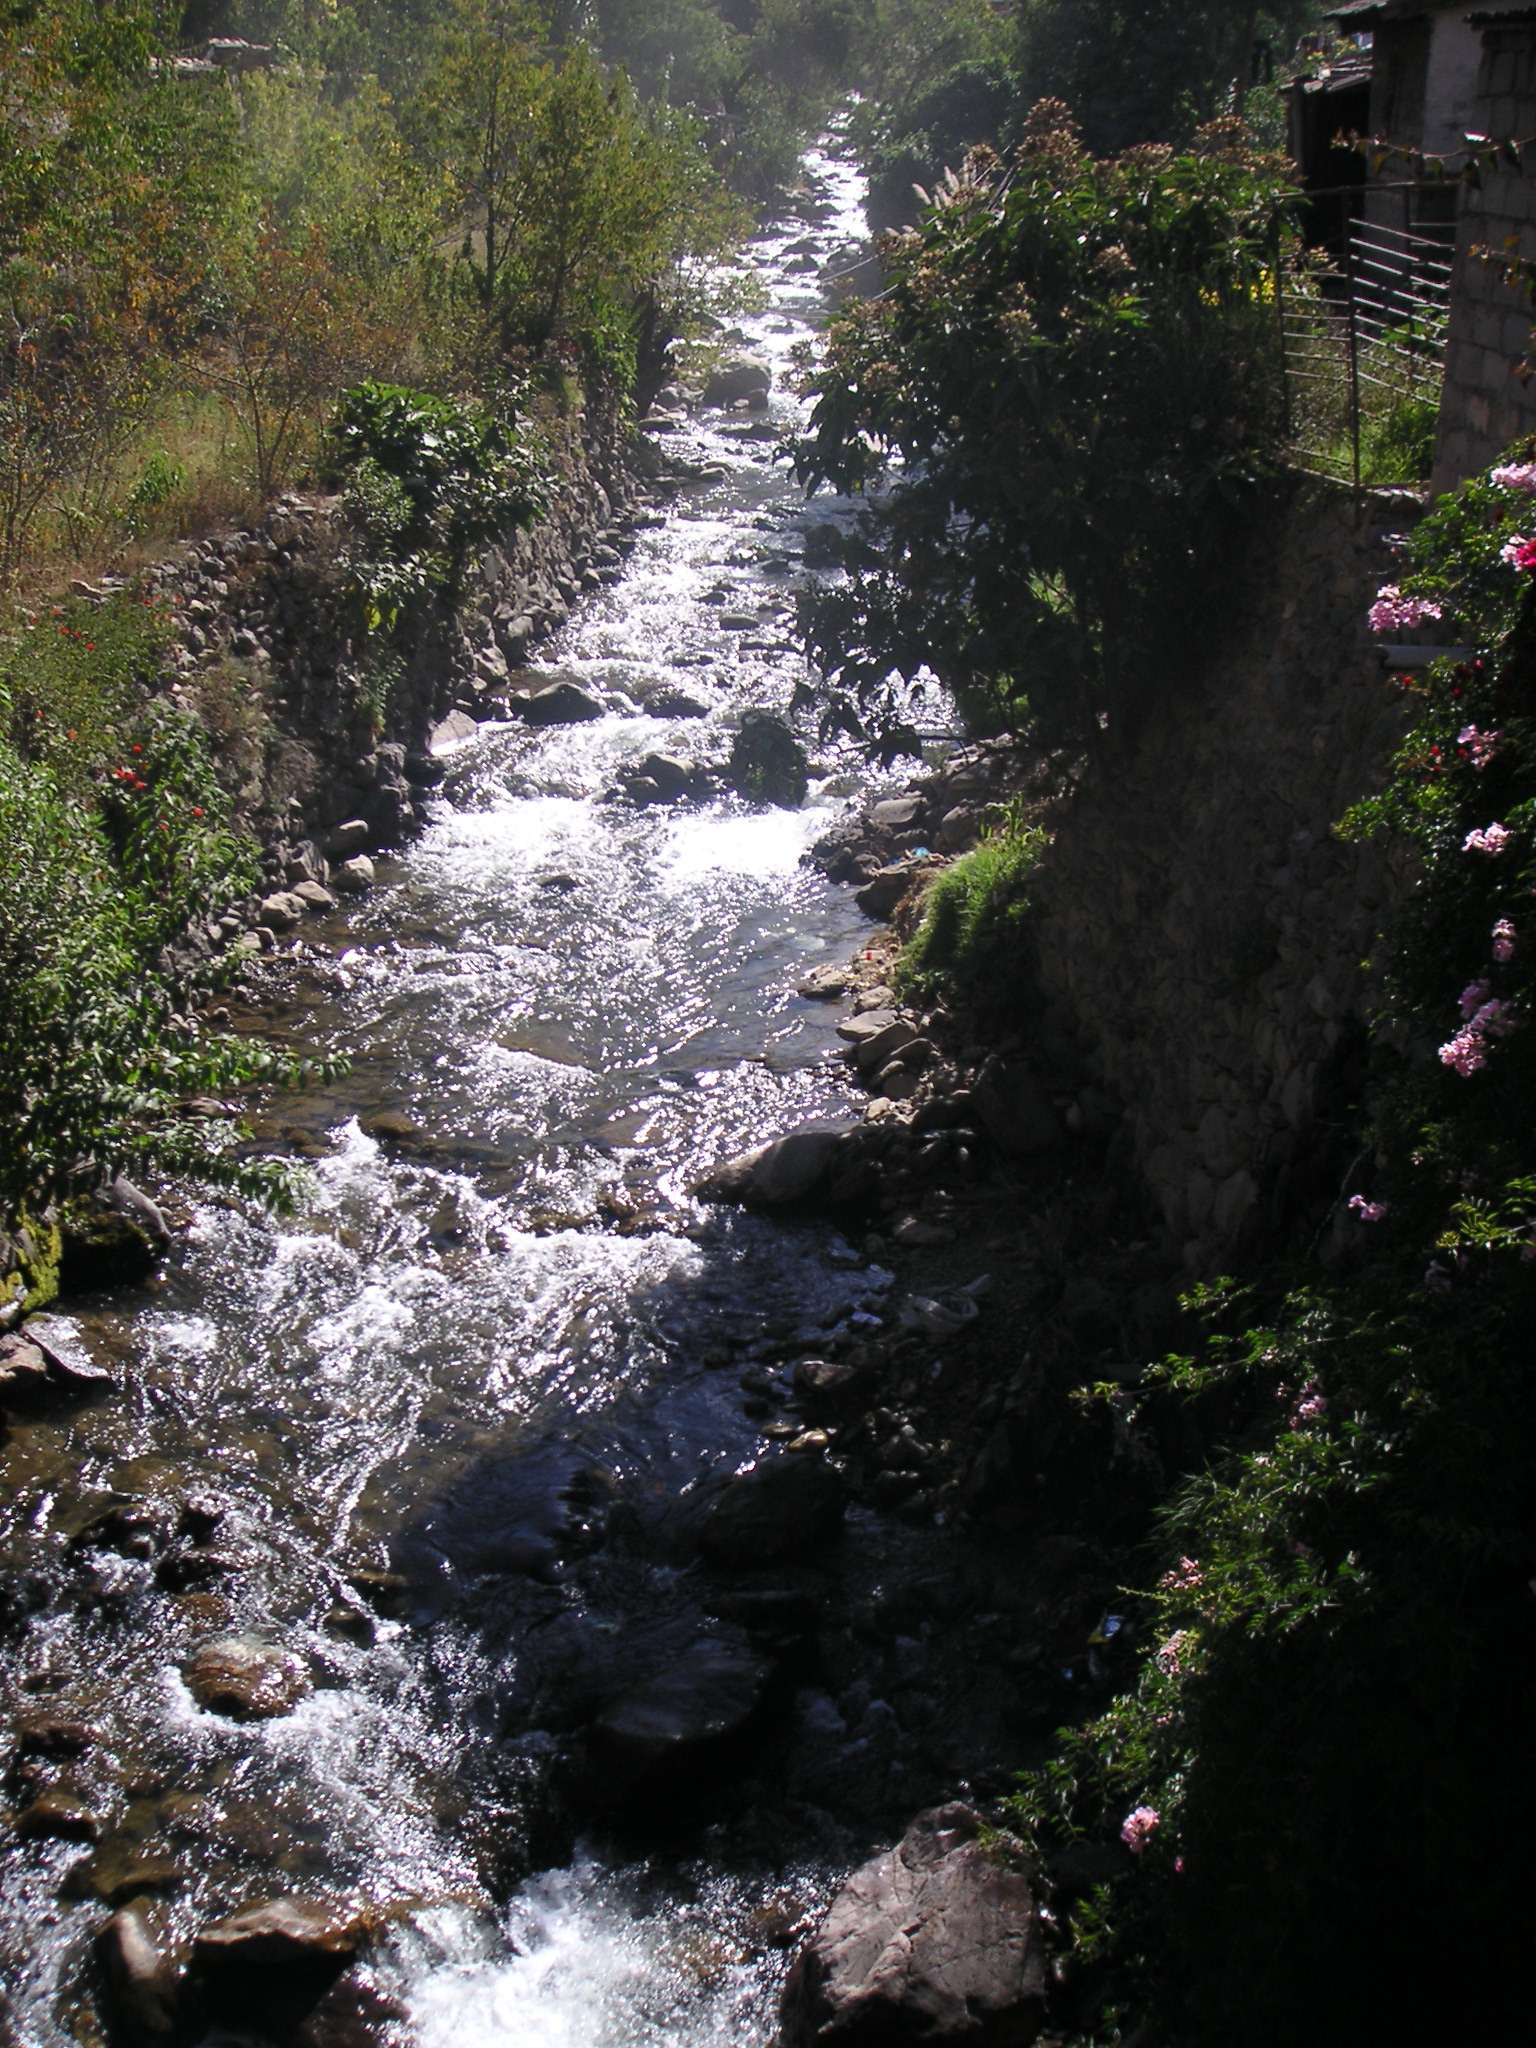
(1330, 1722)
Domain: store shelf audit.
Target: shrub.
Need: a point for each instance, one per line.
(1075, 364)
(429, 480)
(972, 943)
(118, 838)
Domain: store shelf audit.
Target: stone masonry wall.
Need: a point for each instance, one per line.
(1485, 405)
(1199, 923)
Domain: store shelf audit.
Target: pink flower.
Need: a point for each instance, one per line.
(1178, 1866)
(1503, 941)
(1136, 1829)
(1184, 1577)
(1515, 476)
(1487, 839)
(1368, 1212)
(1467, 1052)
(1520, 553)
(1313, 1404)
(1168, 1656)
(1392, 611)
(1481, 746)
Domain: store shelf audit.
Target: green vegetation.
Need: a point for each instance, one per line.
(119, 835)
(1326, 1752)
(428, 479)
(972, 945)
(1137, 71)
(239, 247)
(1076, 362)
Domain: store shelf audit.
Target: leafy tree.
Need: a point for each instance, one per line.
(1074, 363)
(1148, 70)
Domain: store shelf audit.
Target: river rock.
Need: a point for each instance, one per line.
(23, 1369)
(68, 1360)
(245, 1678)
(884, 890)
(738, 379)
(667, 703)
(670, 775)
(775, 1176)
(935, 1941)
(876, 1048)
(824, 984)
(112, 1237)
(545, 700)
(142, 1974)
(348, 838)
(354, 877)
(273, 1961)
(1014, 1110)
(314, 896)
(768, 764)
(282, 910)
(453, 731)
(680, 1719)
(896, 813)
(58, 1815)
(783, 1507)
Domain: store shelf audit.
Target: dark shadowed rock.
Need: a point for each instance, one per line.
(271, 1964)
(679, 1720)
(936, 1941)
(558, 703)
(768, 764)
(884, 890)
(1014, 1110)
(142, 1974)
(784, 1506)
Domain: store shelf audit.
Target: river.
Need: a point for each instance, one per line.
(569, 1007)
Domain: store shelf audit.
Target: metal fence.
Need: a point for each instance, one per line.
(1363, 335)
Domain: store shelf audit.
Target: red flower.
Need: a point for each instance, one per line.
(197, 810)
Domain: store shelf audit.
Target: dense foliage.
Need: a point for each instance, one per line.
(429, 479)
(1074, 363)
(119, 835)
(1153, 70)
(1325, 1766)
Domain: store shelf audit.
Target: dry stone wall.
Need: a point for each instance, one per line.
(1199, 921)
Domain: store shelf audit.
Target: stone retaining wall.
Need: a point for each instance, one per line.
(1197, 919)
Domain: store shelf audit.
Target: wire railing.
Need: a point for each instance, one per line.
(1363, 339)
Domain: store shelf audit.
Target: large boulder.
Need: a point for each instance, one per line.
(661, 1733)
(1014, 1110)
(790, 1170)
(543, 697)
(266, 1967)
(738, 379)
(936, 1941)
(784, 1506)
(768, 764)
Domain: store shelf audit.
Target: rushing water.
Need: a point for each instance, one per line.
(579, 1005)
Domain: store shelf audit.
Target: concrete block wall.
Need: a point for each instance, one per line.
(1198, 918)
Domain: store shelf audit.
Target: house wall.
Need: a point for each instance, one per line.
(1485, 404)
